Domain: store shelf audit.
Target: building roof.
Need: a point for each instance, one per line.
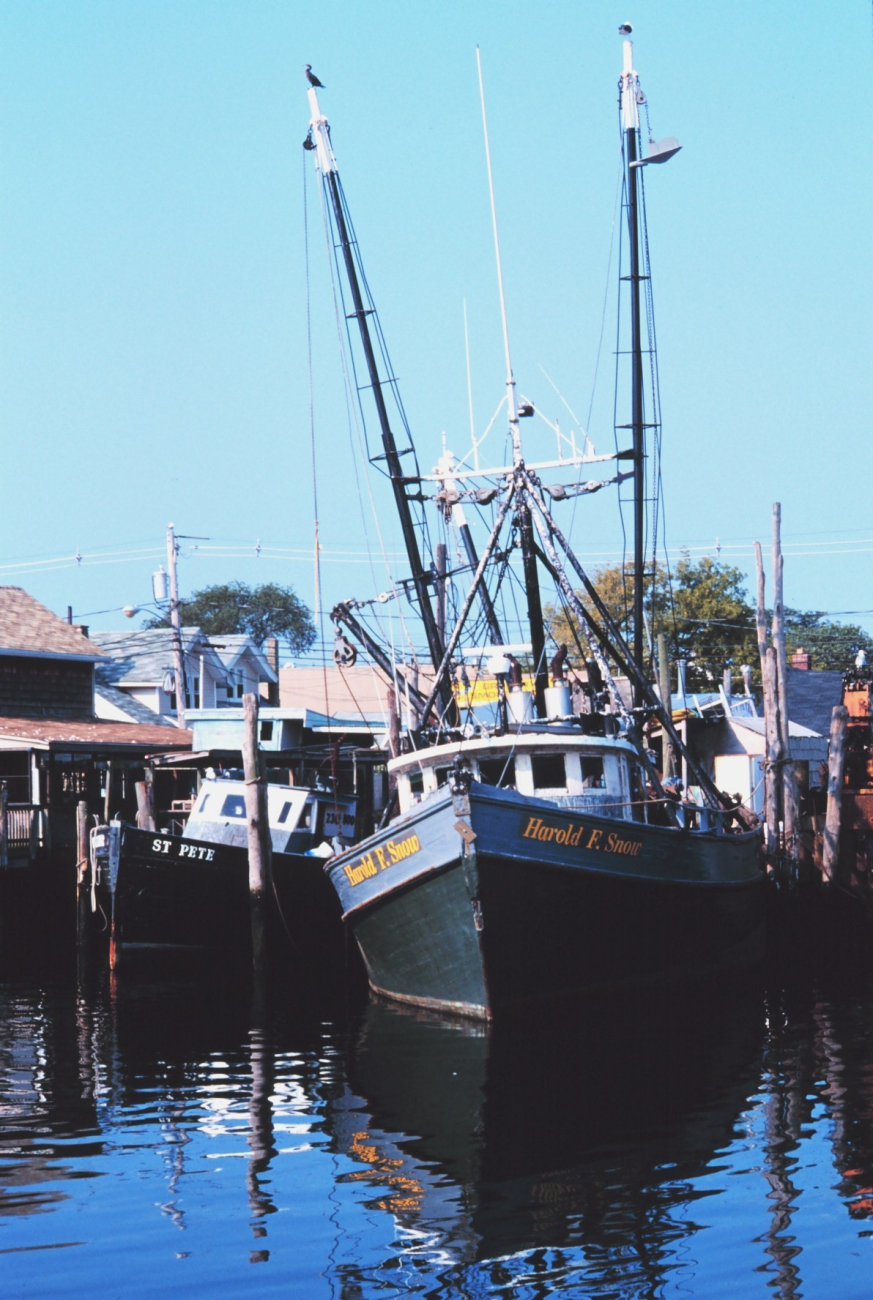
(29, 628)
(131, 709)
(141, 656)
(95, 733)
(812, 695)
(358, 692)
(231, 646)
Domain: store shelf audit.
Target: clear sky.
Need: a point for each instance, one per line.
(153, 273)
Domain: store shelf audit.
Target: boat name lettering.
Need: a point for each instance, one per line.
(380, 857)
(184, 849)
(578, 835)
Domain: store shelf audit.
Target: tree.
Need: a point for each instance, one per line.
(830, 645)
(234, 607)
(703, 611)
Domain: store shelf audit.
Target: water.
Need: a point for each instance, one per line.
(167, 1134)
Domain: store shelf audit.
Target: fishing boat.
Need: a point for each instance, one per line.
(189, 893)
(536, 852)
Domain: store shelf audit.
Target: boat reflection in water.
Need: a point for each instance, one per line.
(356, 1151)
(580, 1133)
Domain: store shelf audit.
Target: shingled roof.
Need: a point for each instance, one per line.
(29, 628)
(141, 656)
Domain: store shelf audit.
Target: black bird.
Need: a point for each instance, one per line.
(311, 77)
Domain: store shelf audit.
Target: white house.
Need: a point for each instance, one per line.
(135, 676)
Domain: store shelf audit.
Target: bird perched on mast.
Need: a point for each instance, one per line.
(311, 77)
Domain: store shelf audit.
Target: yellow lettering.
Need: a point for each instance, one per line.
(380, 854)
(533, 825)
(594, 839)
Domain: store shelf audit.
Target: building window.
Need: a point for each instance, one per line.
(266, 731)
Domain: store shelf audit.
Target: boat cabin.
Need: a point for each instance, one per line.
(569, 769)
(300, 819)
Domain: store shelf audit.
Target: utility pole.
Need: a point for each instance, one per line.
(176, 625)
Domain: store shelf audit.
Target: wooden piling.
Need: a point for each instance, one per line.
(145, 810)
(770, 693)
(260, 844)
(83, 864)
(668, 760)
(110, 791)
(4, 825)
(836, 766)
(788, 776)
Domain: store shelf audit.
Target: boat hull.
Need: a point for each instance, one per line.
(486, 901)
(171, 894)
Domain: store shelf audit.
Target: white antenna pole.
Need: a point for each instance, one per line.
(630, 115)
(321, 136)
(473, 443)
(510, 378)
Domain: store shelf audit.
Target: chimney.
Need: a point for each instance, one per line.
(800, 660)
(271, 651)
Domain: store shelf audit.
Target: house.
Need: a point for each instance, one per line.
(135, 675)
(54, 748)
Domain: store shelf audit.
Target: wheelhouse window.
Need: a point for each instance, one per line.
(234, 806)
(498, 771)
(549, 772)
(442, 775)
(593, 777)
(416, 784)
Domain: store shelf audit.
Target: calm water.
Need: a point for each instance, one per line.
(167, 1134)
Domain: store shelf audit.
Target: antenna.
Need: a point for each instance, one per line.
(510, 378)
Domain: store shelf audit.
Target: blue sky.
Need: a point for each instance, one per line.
(153, 356)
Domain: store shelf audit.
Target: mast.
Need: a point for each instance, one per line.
(320, 140)
(522, 512)
(630, 125)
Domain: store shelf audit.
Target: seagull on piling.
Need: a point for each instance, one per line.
(311, 77)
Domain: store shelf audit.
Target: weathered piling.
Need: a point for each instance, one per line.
(83, 862)
(836, 766)
(770, 694)
(4, 825)
(145, 806)
(260, 844)
(668, 760)
(790, 801)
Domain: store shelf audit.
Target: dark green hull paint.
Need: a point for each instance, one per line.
(504, 919)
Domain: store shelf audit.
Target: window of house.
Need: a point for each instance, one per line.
(234, 806)
(592, 772)
(266, 731)
(240, 690)
(192, 687)
(497, 771)
(548, 771)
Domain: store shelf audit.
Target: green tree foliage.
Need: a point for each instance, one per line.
(704, 613)
(233, 607)
(708, 620)
(830, 645)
